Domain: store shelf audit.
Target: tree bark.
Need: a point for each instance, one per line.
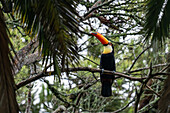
(8, 103)
(164, 102)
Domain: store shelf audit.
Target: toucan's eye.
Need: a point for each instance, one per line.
(109, 43)
(94, 33)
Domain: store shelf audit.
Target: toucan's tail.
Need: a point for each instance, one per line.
(106, 89)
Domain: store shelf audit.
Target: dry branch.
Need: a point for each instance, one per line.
(145, 68)
(96, 6)
(93, 70)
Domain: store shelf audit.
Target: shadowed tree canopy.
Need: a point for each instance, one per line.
(50, 41)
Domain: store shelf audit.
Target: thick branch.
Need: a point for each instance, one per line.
(27, 81)
(93, 70)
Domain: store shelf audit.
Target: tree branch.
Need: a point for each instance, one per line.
(89, 59)
(145, 68)
(27, 81)
(93, 70)
(142, 89)
(119, 110)
(138, 58)
(94, 7)
(153, 91)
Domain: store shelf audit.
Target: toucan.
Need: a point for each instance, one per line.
(107, 62)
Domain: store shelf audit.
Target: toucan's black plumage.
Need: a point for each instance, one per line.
(107, 62)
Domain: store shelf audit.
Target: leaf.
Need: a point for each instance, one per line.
(56, 67)
(157, 21)
(54, 22)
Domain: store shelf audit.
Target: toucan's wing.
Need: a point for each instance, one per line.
(114, 64)
(107, 62)
(101, 64)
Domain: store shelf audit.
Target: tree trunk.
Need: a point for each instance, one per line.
(164, 102)
(8, 103)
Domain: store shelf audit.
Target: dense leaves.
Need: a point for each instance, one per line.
(157, 21)
(58, 25)
(55, 22)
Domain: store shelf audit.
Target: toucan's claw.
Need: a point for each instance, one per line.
(102, 71)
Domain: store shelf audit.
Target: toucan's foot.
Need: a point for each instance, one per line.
(114, 71)
(102, 71)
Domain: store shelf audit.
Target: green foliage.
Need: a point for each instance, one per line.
(55, 33)
(56, 23)
(157, 22)
(22, 75)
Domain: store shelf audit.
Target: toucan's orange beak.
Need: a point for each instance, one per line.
(101, 38)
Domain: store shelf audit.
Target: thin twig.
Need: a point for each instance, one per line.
(28, 108)
(89, 59)
(138, 58)
(145, 68)
(142, 89)
(153, 91)
(119, 110)
(93, 9)
(56, 93)
(165, 68)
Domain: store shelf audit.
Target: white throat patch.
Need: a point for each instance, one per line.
(107, 49)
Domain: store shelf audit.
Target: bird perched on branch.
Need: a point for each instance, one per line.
(107, 62)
